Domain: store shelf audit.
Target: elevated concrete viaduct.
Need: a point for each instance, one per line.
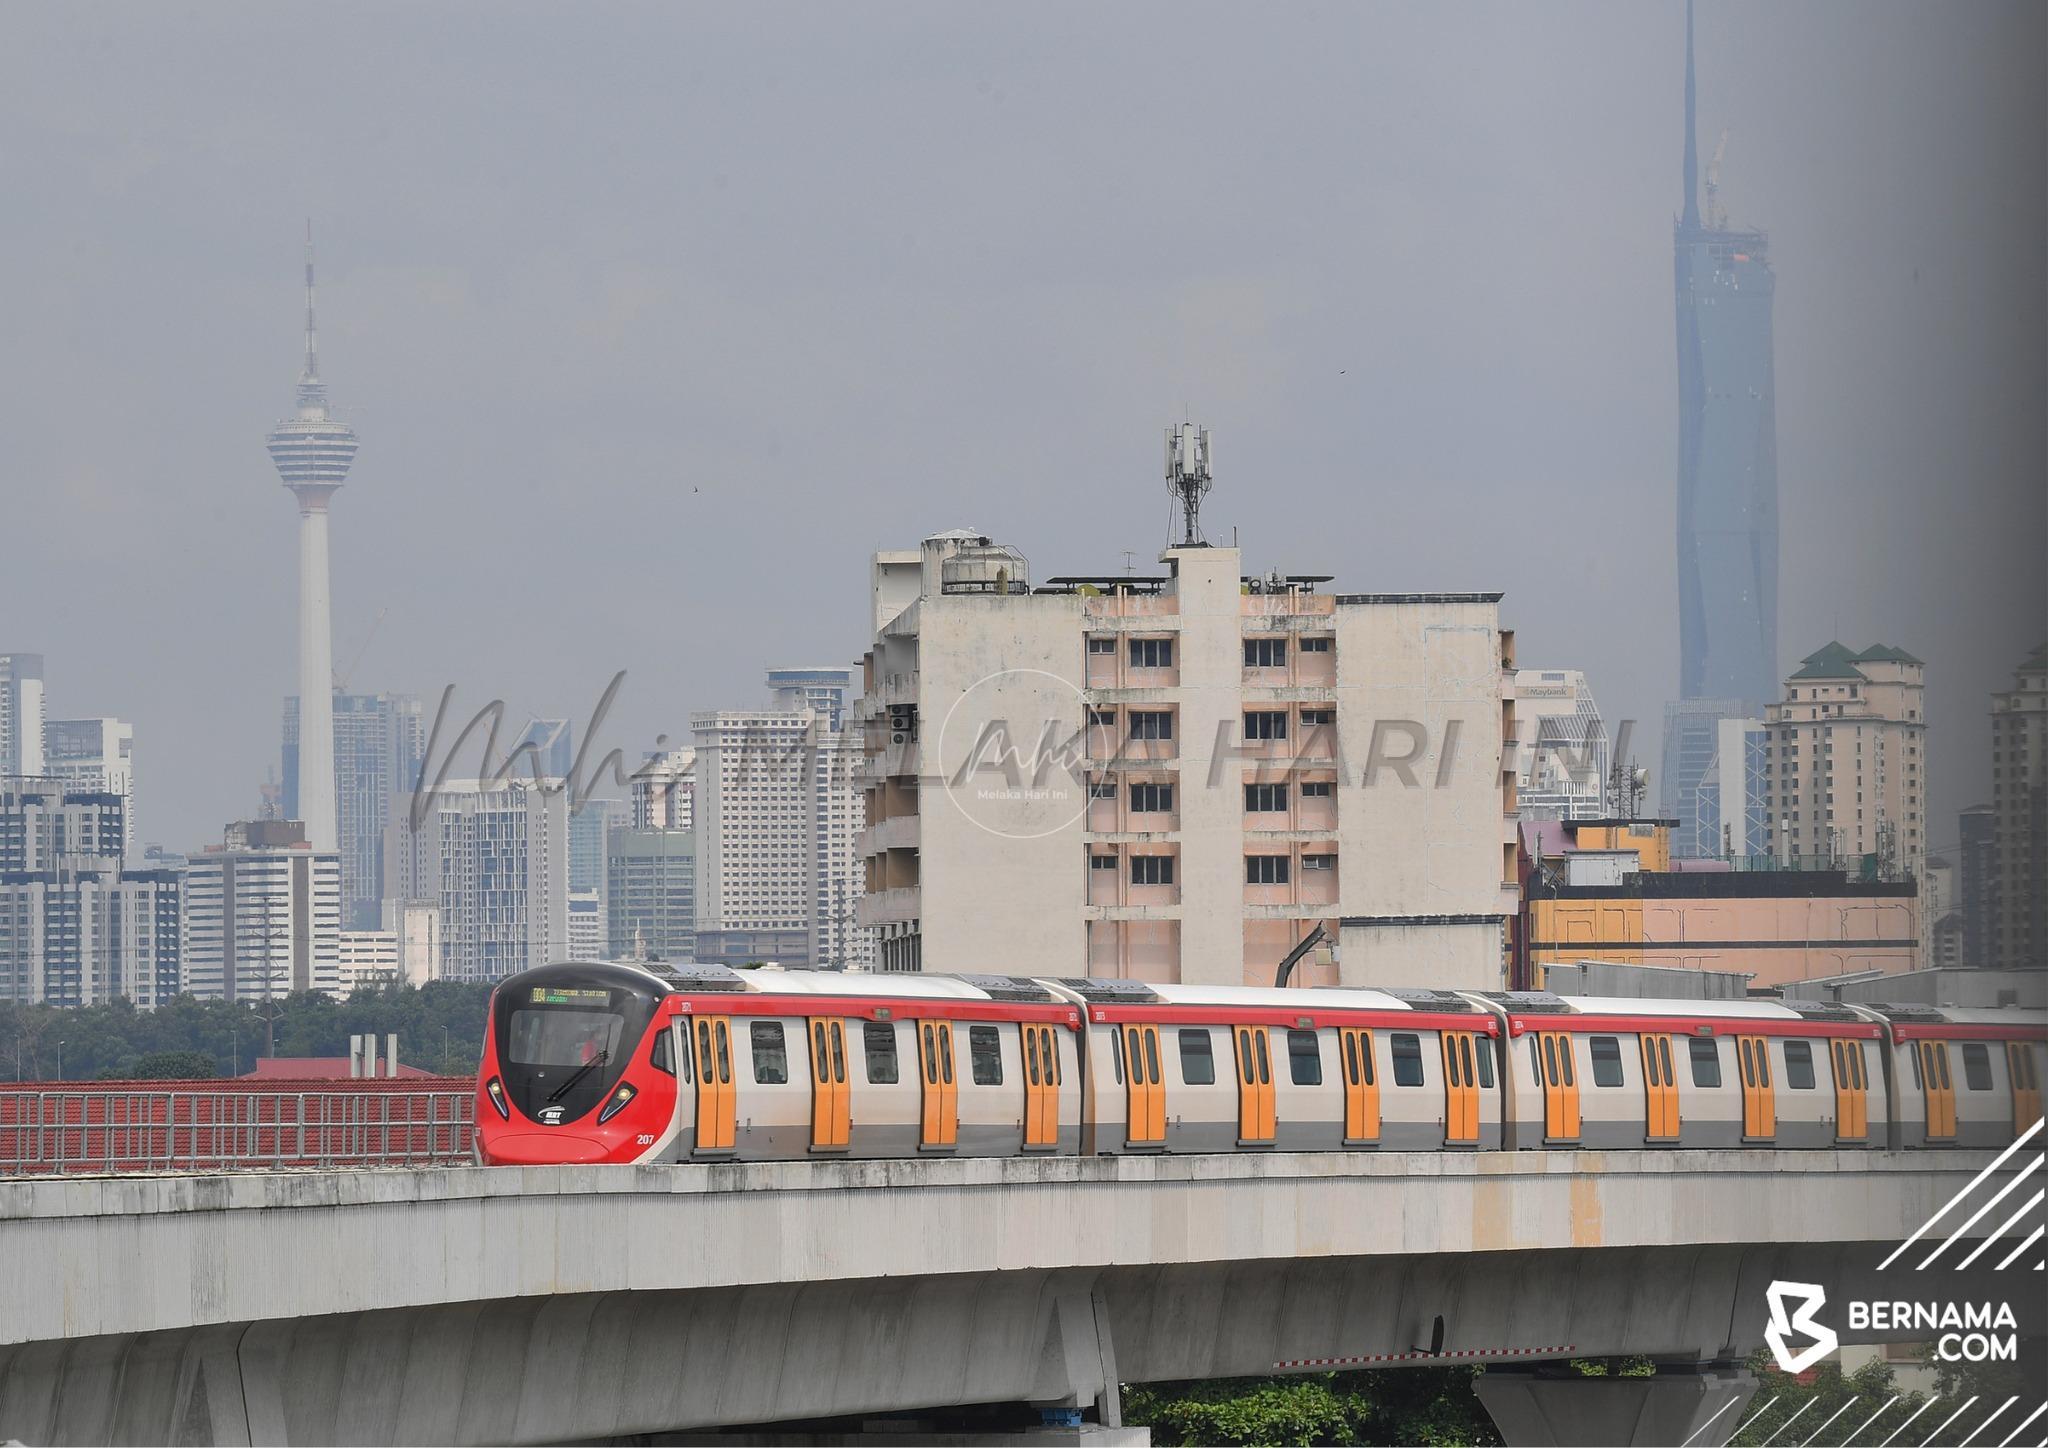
(579, 1303)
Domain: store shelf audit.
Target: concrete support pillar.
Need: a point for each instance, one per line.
(1545, 1407)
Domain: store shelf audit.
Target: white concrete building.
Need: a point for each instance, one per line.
(1846, 759)
(416, 926)
(1179, 777)
(95, 754)
(494, 859)
(368, 958)
(262, 915)
(661, 793)
(1563, 759)
(22, 712)
(586, 925)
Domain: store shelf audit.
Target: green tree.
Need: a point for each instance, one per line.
(174, 1066)
(1820, 1400)
(1432, 1406)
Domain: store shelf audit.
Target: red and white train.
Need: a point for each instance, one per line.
(627, 1063)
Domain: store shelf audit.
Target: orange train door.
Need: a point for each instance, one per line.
(2023, 1073)
(1361, 1087)
(1041, 1087)
(1145, 1096)
(1560, 1086)
(1255, 1114)
(1939, 1089)
(1759, 1101)
(940, 1126)
(717, 1118)
(1461, 1090)
(831, 1096)
(1852, 1100)
(1660, 1089)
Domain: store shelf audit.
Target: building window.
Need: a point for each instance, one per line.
(1151, 724)
(1265, 724)
(1318, 862)
(1151, 869)
(1265, 798)
(1151, 653)
(1317, 789)
(1101, 644)
(1102, 718)
(1265, 653)
(1266, 869)
(1102, 862)
(1317, 644)
(1102, 789)
(1151, 799)
(1312, 717)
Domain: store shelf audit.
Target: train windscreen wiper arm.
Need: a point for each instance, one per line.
(579, 1073)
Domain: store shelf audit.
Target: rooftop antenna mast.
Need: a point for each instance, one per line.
(1188, 478)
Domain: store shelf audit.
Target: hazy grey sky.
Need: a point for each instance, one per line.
(863, 273)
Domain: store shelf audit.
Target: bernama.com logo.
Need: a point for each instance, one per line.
(1960, 1331)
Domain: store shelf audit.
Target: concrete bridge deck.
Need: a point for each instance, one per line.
(551, 1303)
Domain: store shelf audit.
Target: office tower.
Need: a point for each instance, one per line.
(1180, 777)
(494, 858)
(651, 894)
(1729, 818)
(22, 712)
(1561, 769)
(1977, 828)
(76, 928)
(1727, 448)
(1847, 758)
(95, 754)
(379, 741)
(312, 452)
(586, 925)
(1692, 739)
(262, 915)
(2019, 810)
(589, 824)
(545, 747)
(661, 791)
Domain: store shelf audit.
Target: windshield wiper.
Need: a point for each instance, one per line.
(579, 1073)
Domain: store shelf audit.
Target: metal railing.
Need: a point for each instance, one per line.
(47, 1131)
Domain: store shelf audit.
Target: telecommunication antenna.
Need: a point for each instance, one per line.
(1188, 478)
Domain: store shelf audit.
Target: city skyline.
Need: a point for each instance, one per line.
(1286, 393)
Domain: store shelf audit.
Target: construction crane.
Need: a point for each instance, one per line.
(1717, 219)
(341, 679)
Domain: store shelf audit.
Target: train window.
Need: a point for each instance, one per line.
(771, 1056)
(1407, 1059)
(1918, 1082)
(1564, 1059)
(1742, 1052)
(1664, 1059)
(1484, 1050)
(1550, 1058)
(1977, 1066)
(1465, 1058)
(838, 1052)
(1941, 1067)
(1799, 1065)
(1351, 1058)
(931, 1052)
(879, 1039)
(1152, 1056)
(660, 1054)
(1197, 1059)
(1265, 1063)
(1116, 1054)
(1706, 1061)
(1535, 1060)
(1856, 1078)
(1606, 1052)
(945, 1054)
(985, 1055)
(1304, 1059)
(1763, 1063)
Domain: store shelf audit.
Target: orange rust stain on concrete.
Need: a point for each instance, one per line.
(1588, 1229)
(1493, 1214)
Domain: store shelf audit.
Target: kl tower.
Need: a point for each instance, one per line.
(312, 452)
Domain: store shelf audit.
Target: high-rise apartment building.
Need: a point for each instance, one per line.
(262, 915)
(1180, 777)
(379, 741)
(590, 825)
(661, 792)
(76, 928)
(1564, 755)
(651, 894)
(2019, 810)
(586, 925)
(1847, 759)
(494, 857)
(22, 712)
(96, 755)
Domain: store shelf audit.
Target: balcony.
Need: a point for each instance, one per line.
(887, 907)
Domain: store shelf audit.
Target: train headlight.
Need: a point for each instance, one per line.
(495, 1089)
(617, 1104)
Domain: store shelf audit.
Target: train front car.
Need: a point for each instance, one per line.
(571, 1071)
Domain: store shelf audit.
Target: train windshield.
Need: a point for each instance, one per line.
(565, 1036)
